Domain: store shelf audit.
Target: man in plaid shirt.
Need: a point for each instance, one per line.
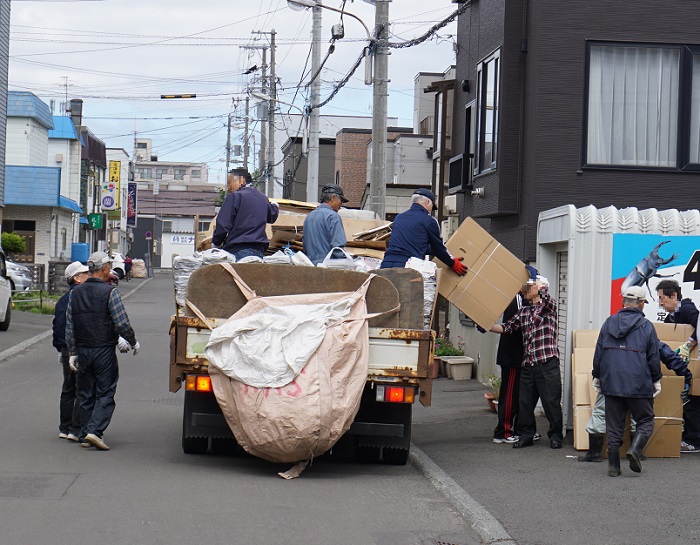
(96, 324)
(541, 377)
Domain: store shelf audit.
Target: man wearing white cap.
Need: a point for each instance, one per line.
(69, 410)
(626, 370)
(95, 320)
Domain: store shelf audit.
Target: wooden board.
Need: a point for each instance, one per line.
(216, 295)
(409, 284)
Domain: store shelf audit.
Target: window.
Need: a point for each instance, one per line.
(143, 173)
(643, 106)
(196, 173)
(160, 172)
(141, 145)
(203, 226)
(180, 173)
(487, 75)
(167, 226)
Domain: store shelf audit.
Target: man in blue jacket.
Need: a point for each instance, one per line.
(626, 370)
(415, 233)
(323, 228)
(241, 222)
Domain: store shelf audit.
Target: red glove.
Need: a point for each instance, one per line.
(459, 267)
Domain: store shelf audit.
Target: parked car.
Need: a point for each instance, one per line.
(118, 265)
(20, 276)
(5, 295)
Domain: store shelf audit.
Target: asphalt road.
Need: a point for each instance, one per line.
(147, 491)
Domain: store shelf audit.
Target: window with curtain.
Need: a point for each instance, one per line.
(633, 105)
(694, 155)
(487, 113)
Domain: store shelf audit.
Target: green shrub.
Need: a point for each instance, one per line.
(445, 347)
(13, 244)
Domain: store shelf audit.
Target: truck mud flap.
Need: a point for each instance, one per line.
(203, 418)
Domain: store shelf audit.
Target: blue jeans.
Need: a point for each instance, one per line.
(98, 374)
(247, 252)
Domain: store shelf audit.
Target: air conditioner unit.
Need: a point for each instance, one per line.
(59, 157)
(448, 227)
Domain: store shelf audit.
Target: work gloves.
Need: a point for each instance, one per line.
(458, 266)
(480, 329)
(136, 348)
(657, 388)
(123, 345)
(596, 384)
(684, 351)
(73, 363)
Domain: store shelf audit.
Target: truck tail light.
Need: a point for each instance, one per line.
(395, 394)
(199, 383)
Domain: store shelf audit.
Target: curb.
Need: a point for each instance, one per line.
(473, 513)
(10, 352)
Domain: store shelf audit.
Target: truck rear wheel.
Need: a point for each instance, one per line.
(195, 445)
(395, 456)
(224, 446)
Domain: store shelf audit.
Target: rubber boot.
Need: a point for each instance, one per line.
(634, 454)
(595, 448)
(642, 456)
(614, 463)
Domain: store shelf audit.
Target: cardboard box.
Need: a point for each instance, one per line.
(694, 367)
(585, 338)
(583, 392)
(584, 360)
(582, 415)
(493, 278)
(668, 403)
(673, 333)
(665, 442)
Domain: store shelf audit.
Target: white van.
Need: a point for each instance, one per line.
(5, 294)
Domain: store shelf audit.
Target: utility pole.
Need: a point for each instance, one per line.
(228, 145)
(270, 171)
(263, 135)
(377, 181)
(313, 159)
(245, 140)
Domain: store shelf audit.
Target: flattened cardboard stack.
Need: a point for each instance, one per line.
(493, 278)
(668, 406)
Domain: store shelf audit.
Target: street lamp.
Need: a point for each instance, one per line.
(298, 5)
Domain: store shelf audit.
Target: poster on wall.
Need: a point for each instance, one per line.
(109, 197)
(131, 205)
(646, 259)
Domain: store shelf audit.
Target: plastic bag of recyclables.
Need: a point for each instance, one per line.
(184, 266)
(428, 270)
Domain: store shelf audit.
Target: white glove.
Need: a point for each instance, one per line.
(73, 363)
(273, 202)
(60, 358)
(596, 384)
(684, 351)
(136, 348)
(123, 345)
(657, 388)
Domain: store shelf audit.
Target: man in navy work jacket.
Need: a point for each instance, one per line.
(626, 370)
(240, 224)
(415, 233)
(323, 228)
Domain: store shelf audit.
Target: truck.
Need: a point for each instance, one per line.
(400, 354)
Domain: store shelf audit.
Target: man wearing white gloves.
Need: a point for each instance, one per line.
(96, 323)
(627, 371)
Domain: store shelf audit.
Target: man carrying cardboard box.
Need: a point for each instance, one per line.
(415, 233)
(540, 375)
(683, 311)
(626, 370)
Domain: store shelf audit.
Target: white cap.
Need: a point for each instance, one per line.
(75, 268)
(635, 292)
(97, 260)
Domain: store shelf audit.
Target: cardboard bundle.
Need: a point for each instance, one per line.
(665, 441)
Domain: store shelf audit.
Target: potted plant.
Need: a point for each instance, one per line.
(457, 365)
(493, 383)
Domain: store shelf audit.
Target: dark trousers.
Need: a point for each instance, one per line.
(98, 374)
(691, 421)
(69, 409)
(543, 381)
(616, 411)
(248, 252)
(508, 401)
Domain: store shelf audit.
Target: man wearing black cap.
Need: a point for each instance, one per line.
(415, 233)
(241, 222)
(323, 229)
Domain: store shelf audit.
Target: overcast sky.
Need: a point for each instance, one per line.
(119, 56)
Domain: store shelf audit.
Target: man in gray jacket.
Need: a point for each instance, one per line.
(626, 370)
(323, 228)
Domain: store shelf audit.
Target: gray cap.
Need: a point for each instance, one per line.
(637, 293)
(75, 268)
(97, 260)
(334, 190)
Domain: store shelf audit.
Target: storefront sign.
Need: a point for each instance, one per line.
(109, 197)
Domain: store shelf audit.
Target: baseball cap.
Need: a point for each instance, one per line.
(635, 292)
(75, 268)
(97, 260)
(426, 193)
(334, 190)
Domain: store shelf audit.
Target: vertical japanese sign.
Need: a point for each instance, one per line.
(131, 205)
(109, 198)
